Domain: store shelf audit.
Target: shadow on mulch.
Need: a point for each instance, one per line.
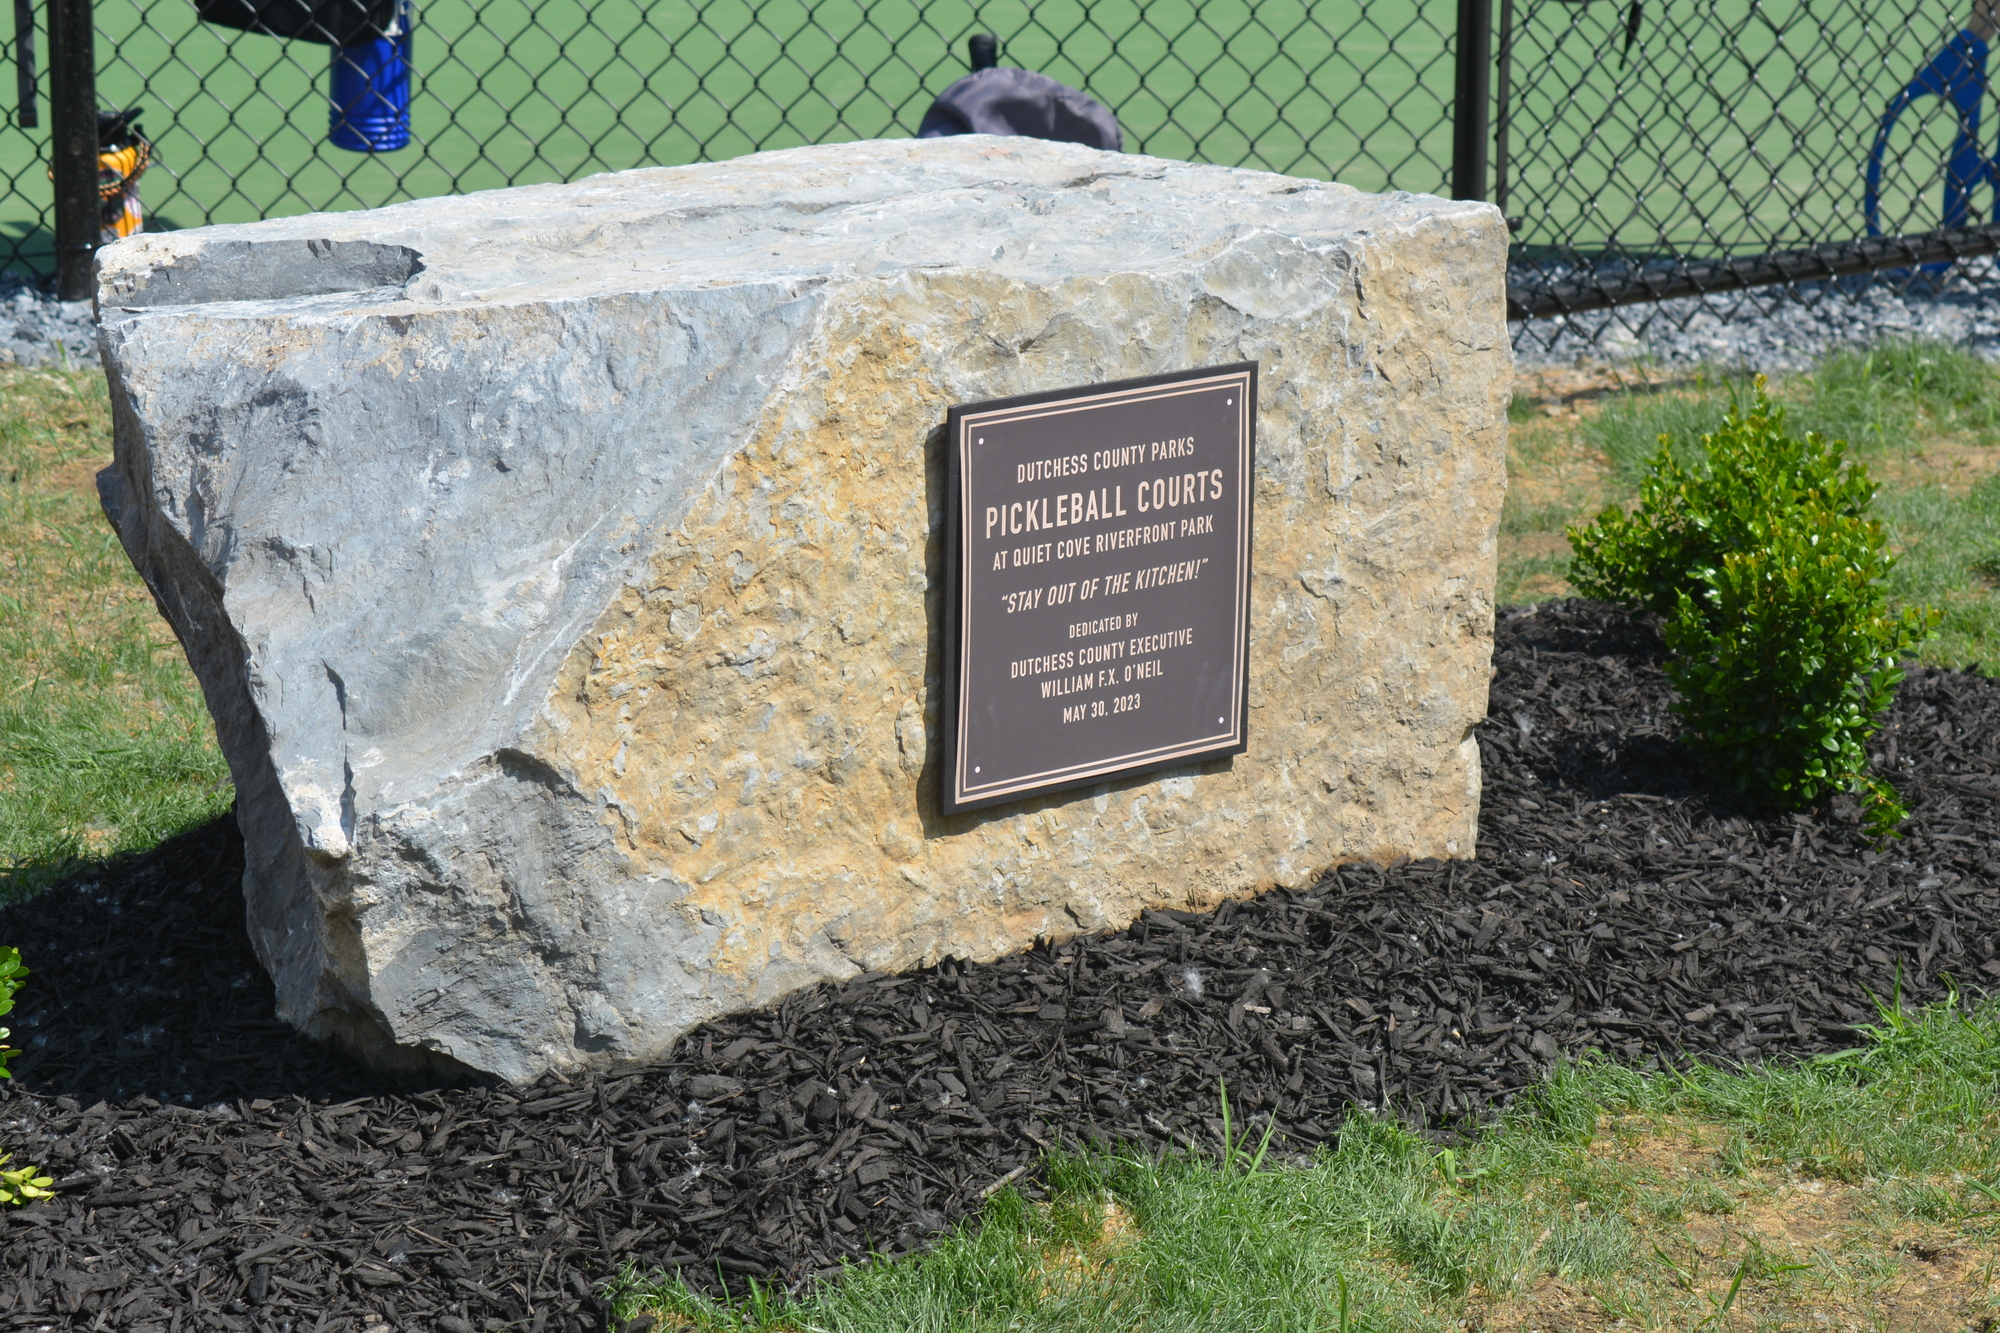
(143, 983)
(220, 1172)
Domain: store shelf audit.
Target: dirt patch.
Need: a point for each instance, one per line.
(1955, 468)
(1572, 391)
(79, 477)
(1763, 1249)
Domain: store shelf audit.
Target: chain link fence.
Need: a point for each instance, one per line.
(521, 91)
(1642, 148)
(1757, 153)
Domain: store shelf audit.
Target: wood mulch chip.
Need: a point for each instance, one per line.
(218, 1172)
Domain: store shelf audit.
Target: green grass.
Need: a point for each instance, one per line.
(105, 745)
(1627, 429)
(1585, 1189)
(1884, 400)
(1950, 559)
(1901, 391)
(1909, 409)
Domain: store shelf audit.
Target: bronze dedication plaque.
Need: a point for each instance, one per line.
(1098, 583)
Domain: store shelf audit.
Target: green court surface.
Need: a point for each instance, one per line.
(1728, 127)
(1732, 126)
(519, 91)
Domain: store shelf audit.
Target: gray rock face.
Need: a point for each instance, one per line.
(557, 564)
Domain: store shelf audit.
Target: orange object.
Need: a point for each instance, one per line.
(118, 171)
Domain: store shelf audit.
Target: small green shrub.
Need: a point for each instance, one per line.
(23, 1185)
(11, 973)
(1693, 513)
(18, 1186)
(1770, 575)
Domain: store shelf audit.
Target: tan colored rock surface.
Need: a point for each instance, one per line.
(562, 807)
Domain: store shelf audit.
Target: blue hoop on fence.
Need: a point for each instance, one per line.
(1958, 75)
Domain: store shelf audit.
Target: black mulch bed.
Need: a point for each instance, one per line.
(218, 1172)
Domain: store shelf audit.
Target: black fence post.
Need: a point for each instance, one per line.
(25, 87)
(1468, 107)
(73, 144)
(1502, 117)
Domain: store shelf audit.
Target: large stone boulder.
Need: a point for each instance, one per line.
(562, 565)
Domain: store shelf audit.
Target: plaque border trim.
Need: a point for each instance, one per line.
(952, 795)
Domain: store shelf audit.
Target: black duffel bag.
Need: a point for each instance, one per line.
(1020, 101)
(333, 22)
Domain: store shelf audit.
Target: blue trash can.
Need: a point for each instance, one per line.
(371, 91)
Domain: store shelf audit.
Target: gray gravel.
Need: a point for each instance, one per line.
(1771, 330)
(38, 330)
(1775, 329)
